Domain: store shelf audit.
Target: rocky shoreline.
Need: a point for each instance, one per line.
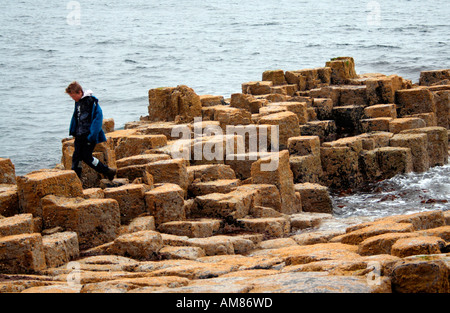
(218, 195)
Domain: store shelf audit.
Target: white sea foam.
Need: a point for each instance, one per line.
(402, 194)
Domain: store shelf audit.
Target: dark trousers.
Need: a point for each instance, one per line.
(83, 153)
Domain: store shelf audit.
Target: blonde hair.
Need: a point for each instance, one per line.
(74, 87)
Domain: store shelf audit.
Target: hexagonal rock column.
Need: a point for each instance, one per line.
(340, 167)
(131, 199)
(419, 245)
(265, 195)
(375, 124)
(22, 253)
(137, 144)
(272, 227)
(9, 200)
(305, 158)
(398, 125)
(418, 275)
(442, 102)
(232, 205)
(342, 69)
(60, 248)
(200, 228)
(288, 125)
(209, 172)
(36, 185)
(135, 166)
(315, 198)
(275, 76)
(428, 78)
(382, 89)
(418, 143)
(179, 104)
(7, 172)
(385, 162)
(437, 143)
(166, 203)
(96, 221)
(16, 225)
(347, 118)
(219, 186)
(326, 130)
(413, 101)
(141, 245)
(381, 110)
(276, 170)
(171, 171)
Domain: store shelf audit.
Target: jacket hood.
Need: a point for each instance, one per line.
(87, 93)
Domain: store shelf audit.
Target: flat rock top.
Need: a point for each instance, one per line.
(43, 174)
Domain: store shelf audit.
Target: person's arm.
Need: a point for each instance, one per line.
(97, 123)
(73, 123)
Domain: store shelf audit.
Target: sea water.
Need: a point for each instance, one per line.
(121, 49)
(402, 194)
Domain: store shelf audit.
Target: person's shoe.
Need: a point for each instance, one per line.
(111, 173)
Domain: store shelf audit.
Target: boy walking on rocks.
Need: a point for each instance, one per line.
(86, 128)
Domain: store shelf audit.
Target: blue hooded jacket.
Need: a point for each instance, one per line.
(96, 133)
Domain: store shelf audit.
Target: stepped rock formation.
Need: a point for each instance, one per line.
(230, 195)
